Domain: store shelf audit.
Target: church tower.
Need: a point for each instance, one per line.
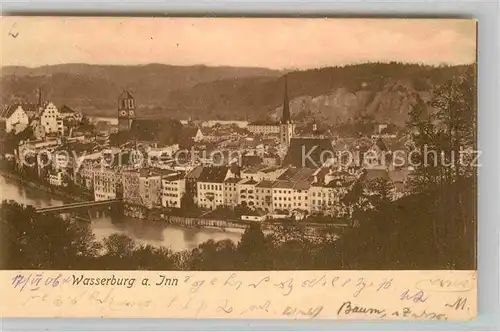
(126, 112)
(287, 127)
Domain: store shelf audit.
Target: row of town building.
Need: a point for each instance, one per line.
(113, 173)
(267, 188)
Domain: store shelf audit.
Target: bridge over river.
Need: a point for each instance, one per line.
(73, 207)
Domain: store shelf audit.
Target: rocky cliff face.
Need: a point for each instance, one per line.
(391, 104)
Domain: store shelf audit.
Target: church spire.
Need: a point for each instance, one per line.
(286, 107)
(40, 96)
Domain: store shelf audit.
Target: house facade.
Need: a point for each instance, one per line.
(211, 187)
(172, 191)
(246, 191)
(264, 195)
(105, 180)
(231, 191)
(14, 118)
(264, 128)
(150, 189)
(51, 120)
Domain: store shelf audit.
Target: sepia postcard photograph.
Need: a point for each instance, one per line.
(334, 151)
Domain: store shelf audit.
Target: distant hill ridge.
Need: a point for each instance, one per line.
(384, 91)
(125, 70)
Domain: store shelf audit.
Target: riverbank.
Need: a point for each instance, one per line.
(45, 188)
(311, 229)
(142, 231)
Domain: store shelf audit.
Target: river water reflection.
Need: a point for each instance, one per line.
(142, 231)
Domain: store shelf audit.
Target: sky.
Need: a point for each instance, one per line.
(283, 43)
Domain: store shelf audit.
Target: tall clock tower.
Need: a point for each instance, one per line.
(126, 112)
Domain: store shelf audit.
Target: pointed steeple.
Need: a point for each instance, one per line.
(285, 118)
(40, 101)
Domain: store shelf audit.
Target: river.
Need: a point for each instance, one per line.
(176, 238)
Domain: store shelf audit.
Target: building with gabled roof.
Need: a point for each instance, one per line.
(51, 120)
(192, 133)
(210, 186)
(14, 118)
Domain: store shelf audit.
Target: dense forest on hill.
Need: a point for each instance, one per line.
(384, 91)
(95, 88)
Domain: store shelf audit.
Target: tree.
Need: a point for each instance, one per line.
(119, 245)
(188, 206)
(254, 249)
(378, 192)
(86, 126)
(118, 250)
(441, 129)
(148, 257)
(401, 236)
(31, 241)
(421, 123)
(214, 256)
(241, 209)
(11, 140)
